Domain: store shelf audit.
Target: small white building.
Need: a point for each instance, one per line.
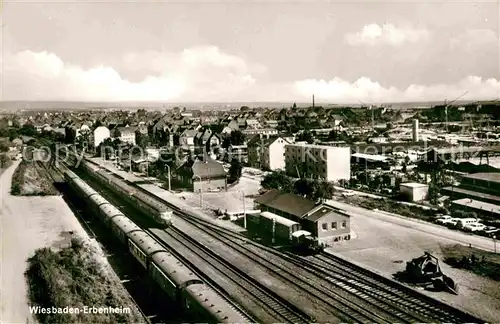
(414, 191)
(100, 134)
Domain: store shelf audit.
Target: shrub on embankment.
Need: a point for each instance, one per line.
(72, 277)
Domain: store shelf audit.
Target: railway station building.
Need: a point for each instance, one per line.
(328, 224)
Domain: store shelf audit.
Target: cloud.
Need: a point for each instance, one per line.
(198, 74)
(366, 90)
(374, 34)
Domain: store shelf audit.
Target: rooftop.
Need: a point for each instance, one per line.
(487, 176)
(370, 157)
(476, 204)
(286, 202)
(414, 185)
(278, 219)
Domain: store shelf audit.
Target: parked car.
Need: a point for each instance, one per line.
(445, 219)
(474, 227)
(490, 231)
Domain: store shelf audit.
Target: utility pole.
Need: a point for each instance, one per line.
(244, 211)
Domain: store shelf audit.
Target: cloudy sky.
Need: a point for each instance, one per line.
(367, 51)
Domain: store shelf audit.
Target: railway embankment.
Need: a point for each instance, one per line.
(30, 179)
(71, 276)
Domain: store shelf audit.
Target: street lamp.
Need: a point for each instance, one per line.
(201, 190)
(244, 210)
(168, 167)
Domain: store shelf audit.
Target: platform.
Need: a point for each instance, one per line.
(172, 199)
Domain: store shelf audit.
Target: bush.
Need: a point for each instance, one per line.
(72, 277)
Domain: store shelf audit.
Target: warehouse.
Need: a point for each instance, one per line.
(328, 224)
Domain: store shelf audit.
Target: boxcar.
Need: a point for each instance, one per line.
(283, 227)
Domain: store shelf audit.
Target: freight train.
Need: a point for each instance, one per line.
(180, 283)
(158, 211)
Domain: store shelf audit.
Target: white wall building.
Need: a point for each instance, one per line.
(318, 161)
(100, 134)
(273, 154)
(414, 191)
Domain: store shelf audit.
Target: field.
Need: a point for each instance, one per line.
(72, 276)
(30, 180)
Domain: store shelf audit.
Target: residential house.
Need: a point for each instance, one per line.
(267, 153)
(125, 134)
(328, 224)
(262, 131)
(100, 134)
(252, 124)
(202, 175)
(187, 139)
(239, 152)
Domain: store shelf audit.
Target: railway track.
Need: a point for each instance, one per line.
(342, 302)
(387, 295)
(381, 302)
(280, 310)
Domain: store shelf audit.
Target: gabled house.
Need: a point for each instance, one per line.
(328, 224)
(187, 138)
(252, 124)
(202, 175)
(125, 134)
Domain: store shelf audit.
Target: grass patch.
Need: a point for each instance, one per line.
(392, 206)
(483, 263)
(28, 180)
(71, 277)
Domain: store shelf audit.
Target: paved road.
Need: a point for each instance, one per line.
(433, 229)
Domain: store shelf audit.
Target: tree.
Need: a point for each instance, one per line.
(27, 130)
(70, 136)
(304, 187)
(235, 171)
(237, 137)
(294, 105)
(277, 180)
(306, 136)
(323, 190)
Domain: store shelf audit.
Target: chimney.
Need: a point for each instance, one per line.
(313, 101)
(171, 140)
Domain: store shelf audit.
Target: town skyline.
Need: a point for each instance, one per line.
(250, 52)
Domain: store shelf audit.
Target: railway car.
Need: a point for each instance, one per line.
(107, 212)
(279, 227)
(142, 246)
(121, 226)
(96, 202)
(158, 211)
(171, 274)
(206, 303)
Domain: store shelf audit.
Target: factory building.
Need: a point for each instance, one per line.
(328, 224)
(414, 192)
(318, 161)
(478, 187)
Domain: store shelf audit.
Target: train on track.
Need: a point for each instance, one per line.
(158, 211)
(187, 289)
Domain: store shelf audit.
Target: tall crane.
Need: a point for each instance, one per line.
(446, 105)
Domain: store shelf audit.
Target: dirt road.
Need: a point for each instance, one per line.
(26, 224)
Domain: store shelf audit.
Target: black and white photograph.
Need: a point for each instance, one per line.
(249, 161)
